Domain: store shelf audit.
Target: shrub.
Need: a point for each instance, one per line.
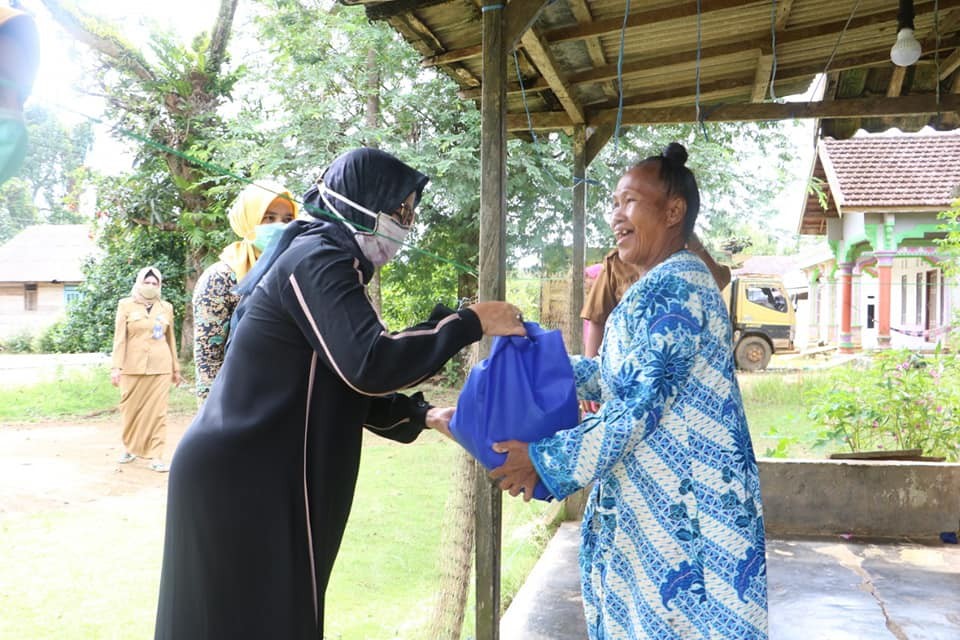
(899, 400)
(21, 342)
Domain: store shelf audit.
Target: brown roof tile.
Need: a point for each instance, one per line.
(894, 170)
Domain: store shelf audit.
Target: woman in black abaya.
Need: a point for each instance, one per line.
(262, 482)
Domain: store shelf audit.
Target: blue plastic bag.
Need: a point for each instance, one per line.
(523, 391)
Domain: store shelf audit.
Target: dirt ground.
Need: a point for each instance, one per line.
(50, 465)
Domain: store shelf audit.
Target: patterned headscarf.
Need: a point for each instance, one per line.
(245, 214)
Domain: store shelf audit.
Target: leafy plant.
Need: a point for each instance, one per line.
(20, 342)
(898, 400)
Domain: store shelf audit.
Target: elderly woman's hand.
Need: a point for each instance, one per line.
(438, 419)
(517, 473)
(499, 318)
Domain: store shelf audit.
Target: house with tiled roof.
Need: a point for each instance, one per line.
(40, 270)
(877, 204)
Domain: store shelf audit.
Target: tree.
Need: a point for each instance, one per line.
(167, 98)
(89, 324)
(52, 176)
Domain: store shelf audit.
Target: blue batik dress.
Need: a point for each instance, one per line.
(672, 541)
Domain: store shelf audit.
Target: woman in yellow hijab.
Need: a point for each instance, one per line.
(258, 215)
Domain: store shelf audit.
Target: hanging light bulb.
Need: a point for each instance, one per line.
(906, 50)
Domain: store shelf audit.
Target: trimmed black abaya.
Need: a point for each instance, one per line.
(262, 483)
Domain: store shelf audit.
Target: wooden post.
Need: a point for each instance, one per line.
(579, 233)
(492, 286)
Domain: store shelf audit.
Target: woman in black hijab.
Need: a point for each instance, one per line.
(262, 482)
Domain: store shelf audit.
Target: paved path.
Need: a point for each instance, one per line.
(828, 589)
(28, 368)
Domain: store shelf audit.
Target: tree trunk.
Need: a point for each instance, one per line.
(456, 553)
(372, 111)
(193, 271)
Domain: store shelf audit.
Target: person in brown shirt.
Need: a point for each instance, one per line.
(144, 365)
(615, 278)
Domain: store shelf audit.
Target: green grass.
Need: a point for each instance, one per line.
(387, 571)
(777, 413)
(91, 569)
(74, 394)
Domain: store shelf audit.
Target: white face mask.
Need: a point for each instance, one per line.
(388, 235)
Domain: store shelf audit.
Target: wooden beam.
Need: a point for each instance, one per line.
(518, 17)
(783, 14)
(597, 138)
(638, 19)
(600, 27)
(492, 285)
(594, 46)
(841, 108)
(583, 15)
(543, 59)
(579, 235)
(413, 24)
(949, 65)
(708, 55)
(761, 80)
(743, 82)
(386, 10)
(895, 86)
(653, 16)
(455, 55)
(847, 108)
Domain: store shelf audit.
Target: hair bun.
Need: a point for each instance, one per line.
(676, 152)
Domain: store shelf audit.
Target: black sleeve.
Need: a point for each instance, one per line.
(325, 296)
(398, 417)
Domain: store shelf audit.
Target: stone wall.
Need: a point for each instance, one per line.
(863, 498)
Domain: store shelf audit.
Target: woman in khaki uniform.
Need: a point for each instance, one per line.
(144, 364)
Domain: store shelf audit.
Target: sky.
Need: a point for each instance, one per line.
(59, 72)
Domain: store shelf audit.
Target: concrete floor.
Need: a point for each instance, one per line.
(826, 589)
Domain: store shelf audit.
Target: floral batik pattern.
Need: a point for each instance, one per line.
(213, 305)
(672, 539)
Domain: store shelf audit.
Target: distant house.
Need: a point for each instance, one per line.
(40, 269)
(881, 285)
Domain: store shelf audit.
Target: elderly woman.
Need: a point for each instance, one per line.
(262, 482)
(672, 540)
(258, 215)
(144, 366)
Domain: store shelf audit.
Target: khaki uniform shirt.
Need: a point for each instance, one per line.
(614, 280)
(143, 342)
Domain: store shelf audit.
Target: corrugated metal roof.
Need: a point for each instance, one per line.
(743, 45)
(47, 253)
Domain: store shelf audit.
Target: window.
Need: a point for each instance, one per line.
(70, 293)
(903, 300)
(767, 297)
(29, 297)
(919, 299)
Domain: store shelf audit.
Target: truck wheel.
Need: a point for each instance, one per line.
(752, 353)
